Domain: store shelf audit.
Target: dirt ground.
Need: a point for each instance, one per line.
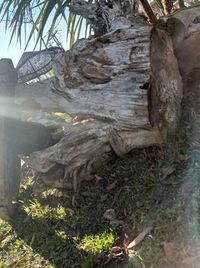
(138, 211)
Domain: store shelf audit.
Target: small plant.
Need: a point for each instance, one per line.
(64, 116)
(99, 242)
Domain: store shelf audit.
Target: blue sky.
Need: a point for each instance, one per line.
(14, 51)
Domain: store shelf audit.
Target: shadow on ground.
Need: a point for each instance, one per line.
(149, 185)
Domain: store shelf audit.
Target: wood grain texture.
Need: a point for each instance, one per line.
(101, 84)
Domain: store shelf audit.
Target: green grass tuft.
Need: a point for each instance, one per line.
(98, 242)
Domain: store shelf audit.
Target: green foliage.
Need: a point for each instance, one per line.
(20, 14)
(64, 116)
(98, 242)
(46, 234)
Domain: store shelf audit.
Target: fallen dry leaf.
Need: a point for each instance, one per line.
(140, 237)
(33, 239)
(126, 241)
(111, 186)
(181, 157)
(116, 251)
(125, 212)
(98, 178)
(15, 264)
(89, 178)
(168, 170)
(109, 259)
(70, 210)
(73, 201)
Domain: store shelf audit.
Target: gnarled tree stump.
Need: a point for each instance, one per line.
(104, 85)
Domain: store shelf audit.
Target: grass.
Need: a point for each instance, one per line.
(64, 116)
(98, 242)
(49, 232)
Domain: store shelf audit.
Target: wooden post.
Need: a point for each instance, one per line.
(9, 162)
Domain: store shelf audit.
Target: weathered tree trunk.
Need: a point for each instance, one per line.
(104, 84)
(124, 89)
(9, 162)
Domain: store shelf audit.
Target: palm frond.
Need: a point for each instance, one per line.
(32, 18)
(35, 24)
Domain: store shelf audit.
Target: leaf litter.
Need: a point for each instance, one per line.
(142, 196)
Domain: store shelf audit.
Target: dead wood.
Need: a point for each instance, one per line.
(106, 16)
(103, 86)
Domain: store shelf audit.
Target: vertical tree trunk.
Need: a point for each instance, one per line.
(9, 161)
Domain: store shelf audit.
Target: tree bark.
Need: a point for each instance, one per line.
(106, 16)
(9, 161)
(103, 83)
(124, 89)
(184, 30)
(16, 137)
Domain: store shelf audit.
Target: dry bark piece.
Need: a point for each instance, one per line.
(168, 170)
(128, 237)
(140, 237)
(106, 16)
(116, 251)
(181, 157)
(98, 178)
(112, 186)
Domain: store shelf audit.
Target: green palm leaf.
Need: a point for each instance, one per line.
(15, 15)
(40, 14)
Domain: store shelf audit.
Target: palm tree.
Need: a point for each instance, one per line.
(31, 18)
(20, 14)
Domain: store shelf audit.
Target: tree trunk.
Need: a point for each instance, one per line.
(9, 162)
(16, 137)
(104, 84)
